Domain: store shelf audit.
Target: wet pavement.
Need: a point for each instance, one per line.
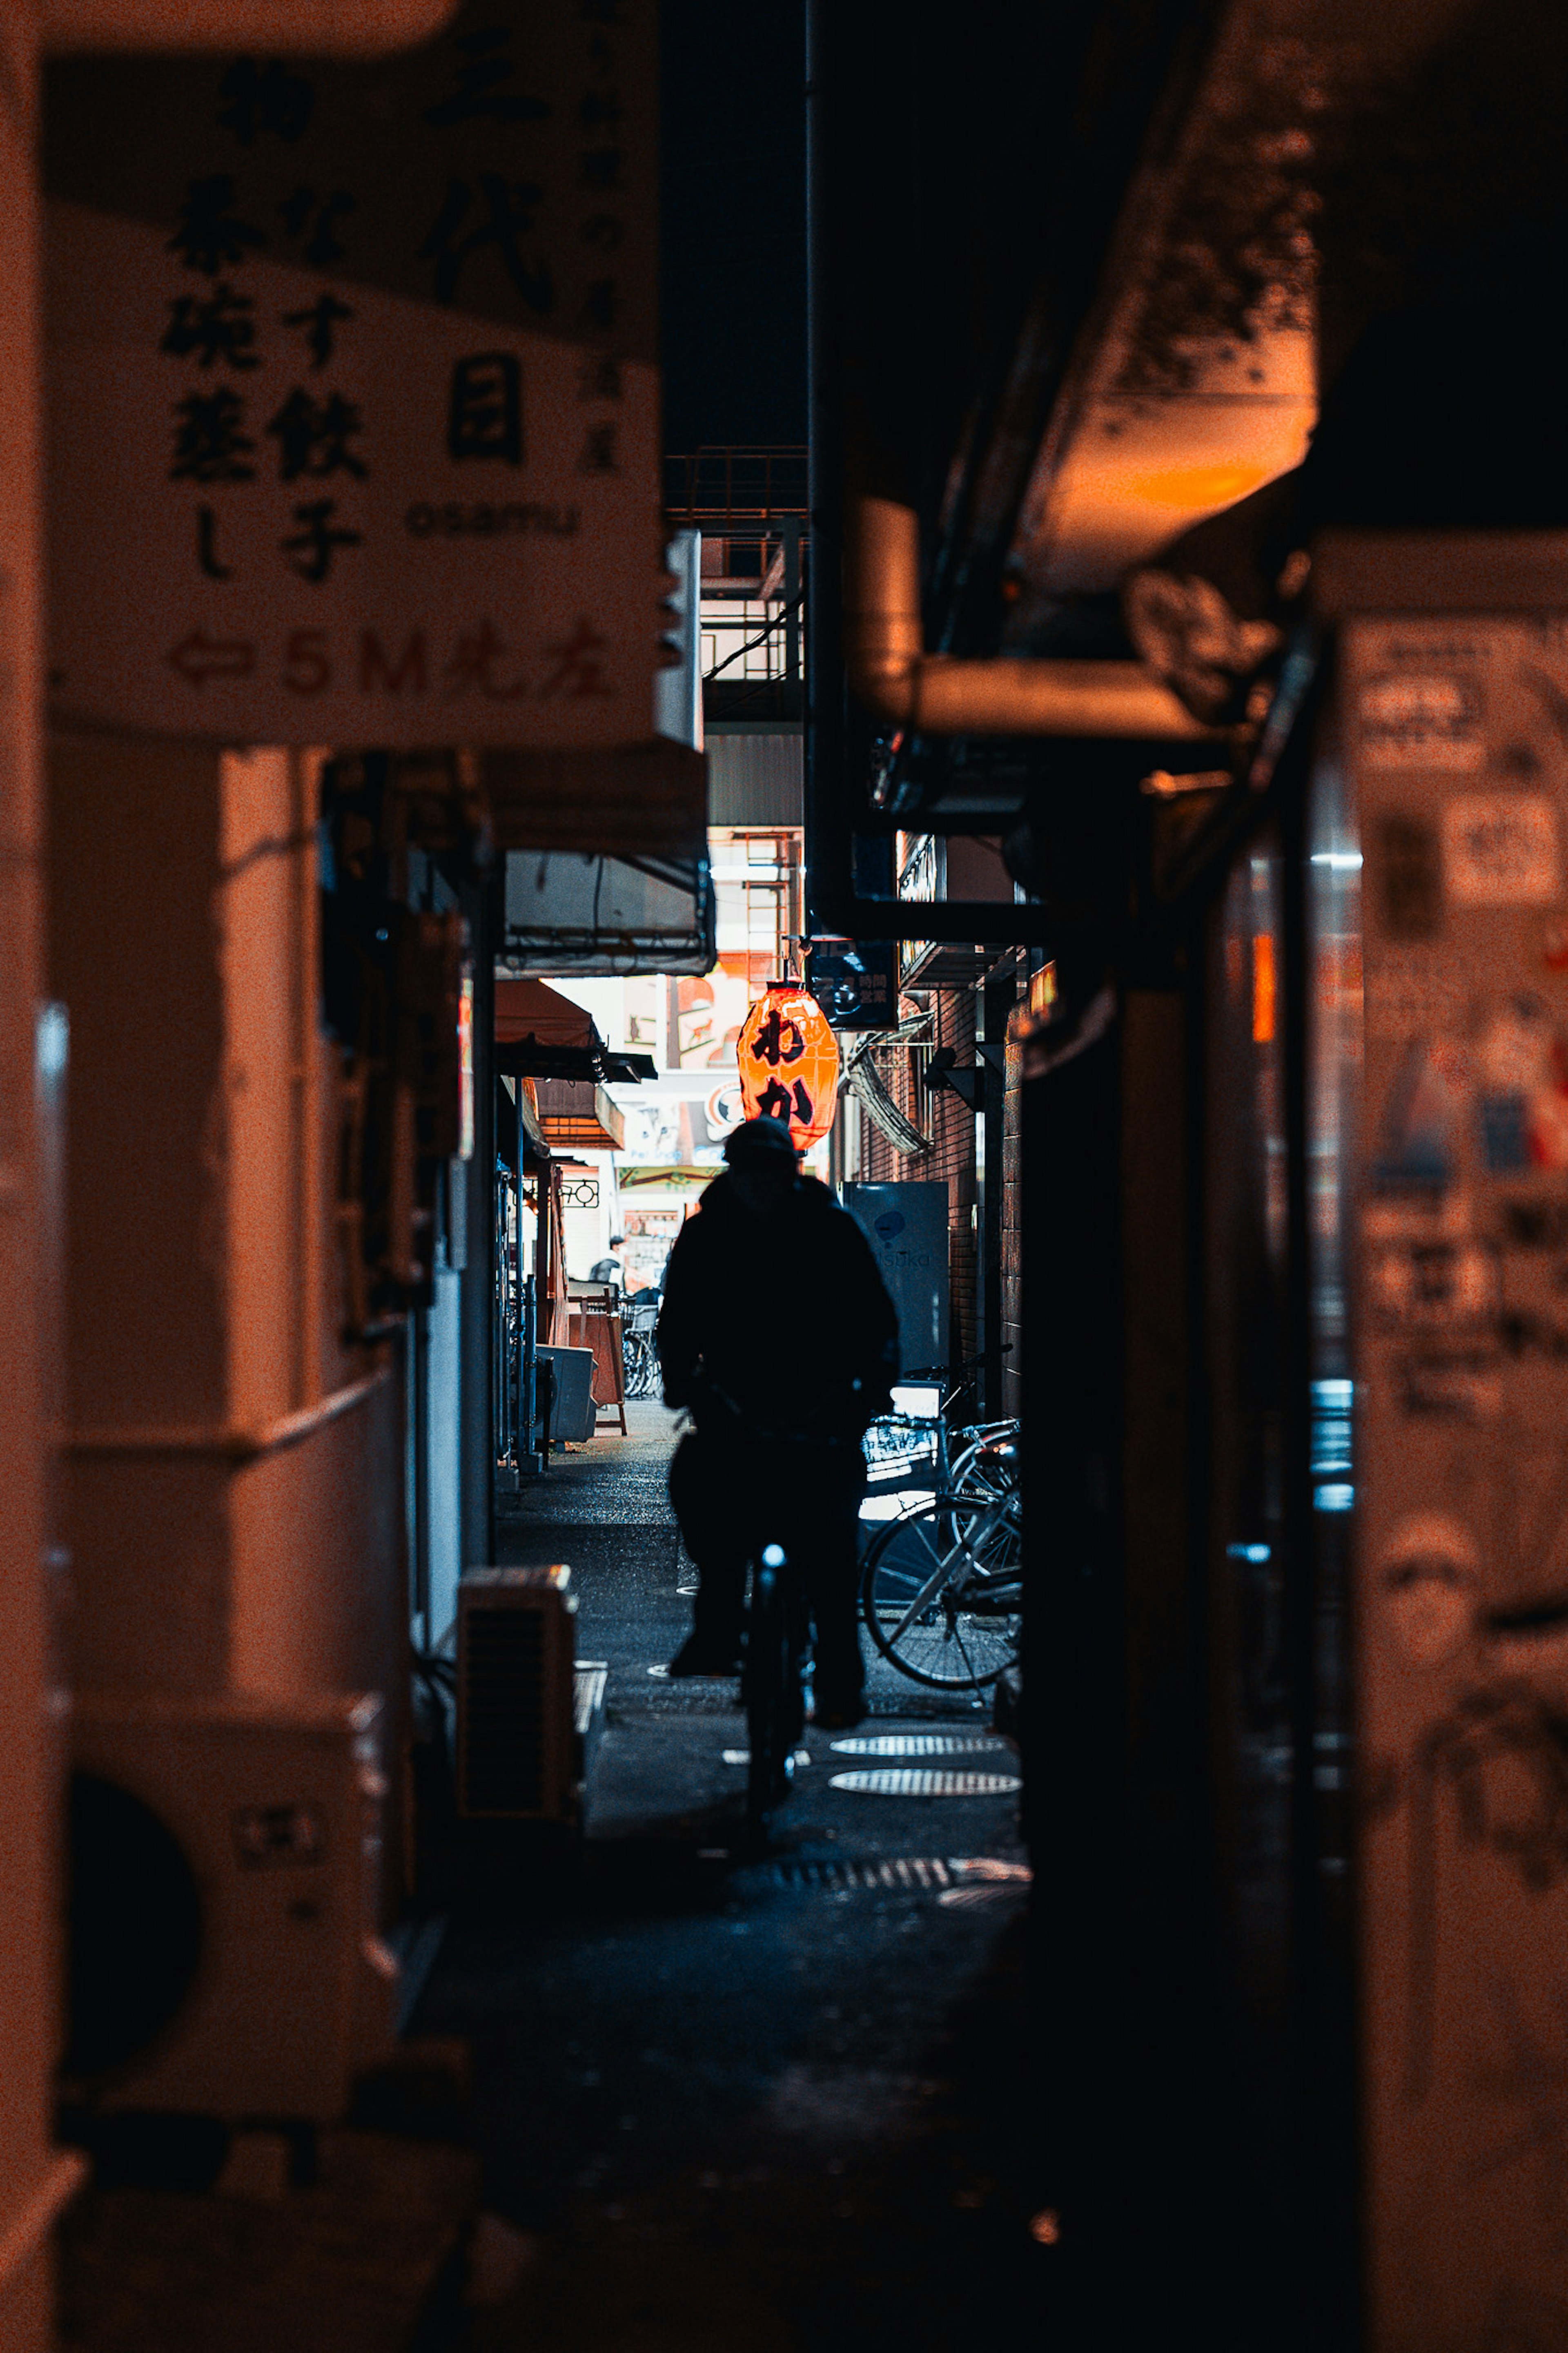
(745, 2104)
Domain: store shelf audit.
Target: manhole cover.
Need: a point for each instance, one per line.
(925, 1781)
(911, 1871)
(917, 1744)
(960, 1874)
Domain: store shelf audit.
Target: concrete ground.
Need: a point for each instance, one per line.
(736, 2104)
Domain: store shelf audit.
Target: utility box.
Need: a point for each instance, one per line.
(906, 1226)
(572, 1413)
(519, 1757)
(224, 1854)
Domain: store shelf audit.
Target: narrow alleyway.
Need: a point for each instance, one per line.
(737, 2106)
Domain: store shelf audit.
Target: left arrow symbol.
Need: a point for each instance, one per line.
(198, 657)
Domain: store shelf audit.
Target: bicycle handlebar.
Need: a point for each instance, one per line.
(950, 1372)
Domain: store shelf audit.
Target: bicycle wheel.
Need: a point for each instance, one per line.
(940, 1592)
(969, 1475)
(641, 1363)
(774, 1706)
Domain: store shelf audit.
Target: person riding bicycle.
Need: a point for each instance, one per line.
(778, 1333)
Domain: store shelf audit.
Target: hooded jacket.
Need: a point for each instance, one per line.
(773, 1289)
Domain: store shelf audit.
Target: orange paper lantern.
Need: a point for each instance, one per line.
(788, 1059)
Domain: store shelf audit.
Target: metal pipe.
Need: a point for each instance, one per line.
(829, 864)
(941, 694)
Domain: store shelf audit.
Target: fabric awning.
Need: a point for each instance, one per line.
(517, 1132)
(605, 858)
(531, 1008)
(540, 1034)
(579, 1113)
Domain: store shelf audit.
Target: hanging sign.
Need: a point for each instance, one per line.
(788, 1059)
(353, 411)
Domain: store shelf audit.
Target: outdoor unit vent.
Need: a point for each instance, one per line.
(517, 1754)
(223, 1870)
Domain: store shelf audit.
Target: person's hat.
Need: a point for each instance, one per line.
(761, 1139)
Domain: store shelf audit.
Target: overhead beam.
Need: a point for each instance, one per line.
(343, 28)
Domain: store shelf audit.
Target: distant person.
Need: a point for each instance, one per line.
(778, 1333)
(610, 1269)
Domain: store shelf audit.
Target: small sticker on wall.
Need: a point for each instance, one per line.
(1500, 850)
(1421, 719)
(1430, 1572)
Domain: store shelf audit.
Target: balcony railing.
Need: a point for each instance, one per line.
(751, 507)
(720, 487)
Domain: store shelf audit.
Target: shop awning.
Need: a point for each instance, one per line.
(517, 1126)
(542, 1035)
(528, 1120)
(530, 1008)
(577, 1114)
(605, 858)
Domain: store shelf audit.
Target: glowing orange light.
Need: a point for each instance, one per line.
(1263, 989)
(788, 1060)
(1199, 486)
(465, 1067)
(1046, 2227)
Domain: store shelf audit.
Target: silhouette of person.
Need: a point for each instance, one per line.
(778, 1333)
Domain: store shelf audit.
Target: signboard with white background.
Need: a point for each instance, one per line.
(353, 400)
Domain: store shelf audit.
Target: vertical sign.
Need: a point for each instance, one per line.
(906, 1226)
(1457, 729)
(352, 408)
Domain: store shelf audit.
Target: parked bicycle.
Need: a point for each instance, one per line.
(942, 1585)
(901, 1442)
(639, 1354)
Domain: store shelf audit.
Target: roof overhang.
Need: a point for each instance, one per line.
(577, 1115)
(540, 1034)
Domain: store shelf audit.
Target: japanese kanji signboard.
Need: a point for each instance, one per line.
(353, 412)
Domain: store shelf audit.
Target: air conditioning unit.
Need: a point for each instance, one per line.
(223, 1884)
(520, 1749)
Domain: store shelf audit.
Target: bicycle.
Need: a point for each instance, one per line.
(902, 1439)
(773, 1685)
(639, 1354)
(777, 1635)
(942, 1585)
